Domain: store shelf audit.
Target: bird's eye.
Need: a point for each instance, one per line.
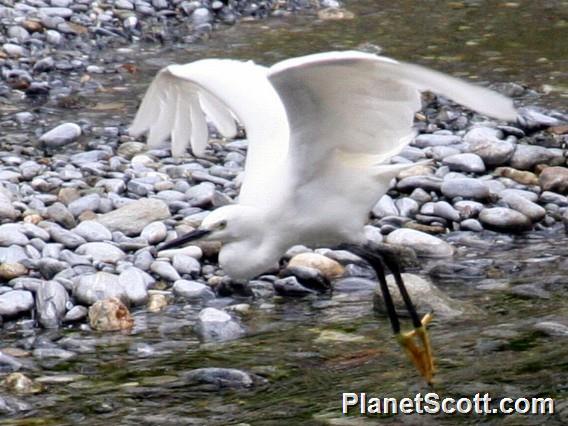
(222, 224)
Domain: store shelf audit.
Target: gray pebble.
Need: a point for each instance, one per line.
(94, 287)
(426, 140)
(101, 252)
(134, 284)
(192, 290)
(61, 135)
(186, 264)
(504, 219)
(423, 244)
(15, 302)
(465, 163)
(51, 299)
(165, 270)
(92, 231)
(465, 187)
(521, 204)
(214, 325)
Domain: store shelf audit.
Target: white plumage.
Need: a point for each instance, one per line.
(321, 129)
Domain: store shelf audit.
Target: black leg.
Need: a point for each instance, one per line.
(419, 353)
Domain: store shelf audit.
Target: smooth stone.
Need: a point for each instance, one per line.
(11, 234)
(192, 290)
(467, 162)
(552, 197)
(186, 264)
(526, 157)
(101, 252)
(504, 219)
(15, 302)
(46, 353)
(468, 208)
(488, 144)
(385, 207)
(59, 213)
(201, 195)
(551, 328)
(441, 152)
(554, 179)
(221, 378)
(471, 225)
(526, 178)
(329, 268)
(426, 296)
(51, 300)
(94, 287)
(21, 384)
(157, 302)
(354, 285)
(110, 315)
(165, 270)
(12, 254)
(529, 195)
(133, 217)
(214, 325)
(88, 202)
(61, 135)
(424, 244)
(10, 271)
(407, 206)
(154, 232)
(69, 239)
(50, 267)
(192, 251)
(465, 187)
(93, 231)
(442, 209)
(134, 283)
(530, 291)
(519, 203)
(425, 140)
(76, 313)
(427, 183)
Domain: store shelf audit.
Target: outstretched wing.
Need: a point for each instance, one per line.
(359, 103)
(351, 111)
(182, 96)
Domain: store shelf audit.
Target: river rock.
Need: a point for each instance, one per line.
(466, 188)
(9, 271)
(61, 135)
(425, 295)
(51, 300)
(94, 287)
(385, 207)
(154, 232)
(214, 325)
(524, 177)
(423, 141)
(11, 234)
(528, 156)
(424, 244)
(467, 162)
(504, 219)
(93, 231)
(186, 264)
(89, 202)
(531, 210)
(554, 179)
(219, 378)
(15, 302)
(59, 213)
(131, 218)
(192, 290)
(134, 284)
(101, 252)
(329, 268)
(165, 270)
(487, 143)
(110, 315)
(427, 183)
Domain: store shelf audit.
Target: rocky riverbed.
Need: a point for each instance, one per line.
(83, 206)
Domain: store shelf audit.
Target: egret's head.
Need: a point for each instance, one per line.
(225, 224)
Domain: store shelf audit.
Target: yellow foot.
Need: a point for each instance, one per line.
(416, 344)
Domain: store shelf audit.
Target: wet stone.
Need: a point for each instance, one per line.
(102, 285)
(521, 204)
(424, 244)
(426, 140)
(504, 219)
(51, 300)
(487, 143)
(61, 135)
(110, 315)
(15, 302)
(466, 188)
(554, 179)
(218, 378)
(465, 163)
(165, 270)
(214, 325)
(134, 284)
(192, 290)
(186, 264)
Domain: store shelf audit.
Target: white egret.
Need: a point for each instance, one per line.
(321, 129)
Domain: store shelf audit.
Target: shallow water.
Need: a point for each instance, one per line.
(135, 379)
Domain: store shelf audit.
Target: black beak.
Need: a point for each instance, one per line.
(191, 236)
